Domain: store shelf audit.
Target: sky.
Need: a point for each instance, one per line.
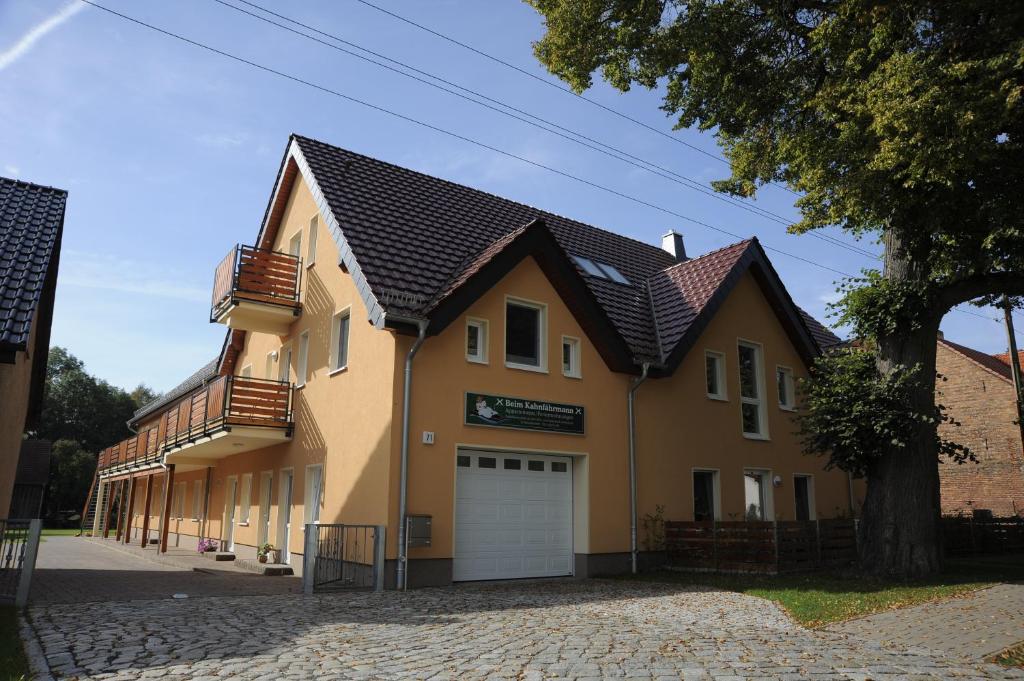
(169, 153)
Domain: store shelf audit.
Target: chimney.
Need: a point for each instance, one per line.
(941, 335)
(672, 242)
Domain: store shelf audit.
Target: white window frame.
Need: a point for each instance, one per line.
(575, 357)
(244, 500)
(542, 332)
(246, 371)
(302, 361)
(716, 487)
(483, 337)
(790, 379)
(307, 507)
(759, 382)
(197, 501)
(720, 375)
(284, 365)
(314, 225)
(271, 365)
(768, 503)
(295, 244)
(812, 511)
(336, 366)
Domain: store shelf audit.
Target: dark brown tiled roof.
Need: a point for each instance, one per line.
(821, 333)
(31, 220)
(197, 379)
(988, 361)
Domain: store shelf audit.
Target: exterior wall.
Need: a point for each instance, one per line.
(983, 403)
(679, 428)
(15, 383)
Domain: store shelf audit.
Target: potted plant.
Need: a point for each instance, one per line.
(207, 545)
(263, 552)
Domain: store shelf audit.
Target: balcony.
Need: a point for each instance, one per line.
(256, 289)
(229, 415)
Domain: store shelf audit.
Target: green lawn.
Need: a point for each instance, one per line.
(818, 599)
(62, 532)
(13, 665)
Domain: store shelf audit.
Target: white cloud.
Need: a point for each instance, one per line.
(222, 140)
(28, 41)
(102, 271)
(12, 170)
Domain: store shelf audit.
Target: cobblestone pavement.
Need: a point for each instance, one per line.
(975, 625)
(525, 630)
(76, 569)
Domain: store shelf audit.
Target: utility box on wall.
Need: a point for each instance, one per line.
(417, 530)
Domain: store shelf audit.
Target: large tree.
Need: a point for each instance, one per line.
(900, 120)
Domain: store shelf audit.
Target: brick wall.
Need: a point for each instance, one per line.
(983, 403)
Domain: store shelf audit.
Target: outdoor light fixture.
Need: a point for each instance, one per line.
(777, 481)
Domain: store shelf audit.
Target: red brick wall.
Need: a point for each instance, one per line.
(983, 403)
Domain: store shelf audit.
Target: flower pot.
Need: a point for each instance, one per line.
(262, 558)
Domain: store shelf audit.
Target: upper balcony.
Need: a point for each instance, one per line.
(229, 415)
(256, 289)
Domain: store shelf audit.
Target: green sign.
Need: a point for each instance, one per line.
(515, 412)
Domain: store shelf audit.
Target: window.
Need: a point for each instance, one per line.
(571, 357)
(339, 341)
(600, 270)
(462, 461)
(311, 247)
(803, 490)
(303, 361)
(705, 496)
(246, 371)
(512, 464)
(559, 467)
(787, 388)
(486, 462)
(180, 489)
(245, 499)
(314, 492)
(752, 391)
(756, 494)
(197, 500)
(714, 363)
(476, 340)
(613, 273)
(284, 364)
(524, 335)
(269, 372)
(535, 465)
(295, 244)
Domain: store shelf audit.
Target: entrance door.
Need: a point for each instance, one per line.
(284, 519)
(513, 516)
(229, 514)
(263, 531)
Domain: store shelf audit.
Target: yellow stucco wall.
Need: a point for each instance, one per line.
(15, 381)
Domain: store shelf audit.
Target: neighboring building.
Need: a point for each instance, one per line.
(31, 479)
(978, 393)
(31, 223)
(536, 329)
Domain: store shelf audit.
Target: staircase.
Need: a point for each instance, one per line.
(95, 506)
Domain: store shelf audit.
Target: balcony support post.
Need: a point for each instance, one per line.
(122, 485)
(165, 520)
(109, 511)
(129, 507)
(146, 512)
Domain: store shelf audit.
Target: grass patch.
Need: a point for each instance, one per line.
(13, 663)
(60, 532)
(821, 598)
(1011, 657)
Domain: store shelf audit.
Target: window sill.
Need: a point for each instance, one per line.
(335, 372)
(300, 386)
(577, 377)
(753, 436)
(526, 367)
(310, 265)
(474, 360)
(241, 524)
(789, 409)
(718, 398)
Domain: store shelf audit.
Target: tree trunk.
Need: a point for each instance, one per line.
(900, 532)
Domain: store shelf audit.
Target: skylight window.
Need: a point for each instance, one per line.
(600, 270)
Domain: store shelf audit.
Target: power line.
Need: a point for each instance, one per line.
(537, 122)
(455, 135)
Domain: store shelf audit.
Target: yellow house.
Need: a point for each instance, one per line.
(402, 346)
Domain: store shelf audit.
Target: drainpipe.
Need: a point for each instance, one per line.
(630, 401)
(401, 576)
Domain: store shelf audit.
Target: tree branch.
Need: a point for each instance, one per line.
(969, 288)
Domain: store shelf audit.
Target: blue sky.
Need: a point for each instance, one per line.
(170, 152)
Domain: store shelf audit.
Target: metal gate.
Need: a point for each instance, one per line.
(19, 543)
(343, 557)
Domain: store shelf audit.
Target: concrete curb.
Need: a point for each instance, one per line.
(38, 667)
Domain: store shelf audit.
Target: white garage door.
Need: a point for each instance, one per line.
(513, 516)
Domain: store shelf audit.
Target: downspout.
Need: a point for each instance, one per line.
(630, 401)
(401, 576)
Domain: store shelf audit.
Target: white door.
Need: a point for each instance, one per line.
(284, 520)
(264, 519)
(229, 515)
(513, 516)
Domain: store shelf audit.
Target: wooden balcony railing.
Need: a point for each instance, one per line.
(256, 275)
(224, 402)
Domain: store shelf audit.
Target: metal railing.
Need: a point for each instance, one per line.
(19, 545)
(343, 557)
(258, 275)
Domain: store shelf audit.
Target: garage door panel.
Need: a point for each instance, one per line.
(513, 520)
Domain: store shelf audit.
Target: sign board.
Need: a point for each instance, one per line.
(523, 414)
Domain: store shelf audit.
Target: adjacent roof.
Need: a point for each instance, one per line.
(987, 361)
(418, 245)
(208, 371)
(1004, 357)
(31, 221)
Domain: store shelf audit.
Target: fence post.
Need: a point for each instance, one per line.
(714, 543)
(775, 541)
(378, 557)
(309, 558)
(817, 539)
(28, 562)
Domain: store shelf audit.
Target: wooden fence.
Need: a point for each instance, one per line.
(769, 547)
(964, 536)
